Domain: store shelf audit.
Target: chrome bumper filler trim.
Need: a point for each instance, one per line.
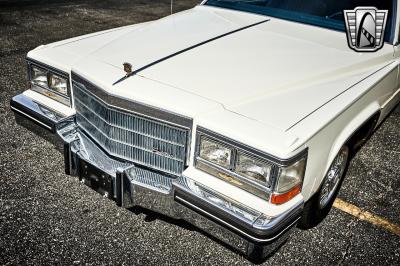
(244, 229)
(39, 119)
(37, 113)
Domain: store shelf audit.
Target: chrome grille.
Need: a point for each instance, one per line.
(130, 136)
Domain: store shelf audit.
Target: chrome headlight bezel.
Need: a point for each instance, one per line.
(231, 176)
(46, 89)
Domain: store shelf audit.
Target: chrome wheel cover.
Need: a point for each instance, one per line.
(333, 177)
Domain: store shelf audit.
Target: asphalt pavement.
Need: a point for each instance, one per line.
(47, 217)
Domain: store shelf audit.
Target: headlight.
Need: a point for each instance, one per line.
(58, 84)
(49, 82)
(215, 152)
(254, 169)
(249, 169)
(39, 77)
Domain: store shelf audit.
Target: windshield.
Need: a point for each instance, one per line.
(327, 14)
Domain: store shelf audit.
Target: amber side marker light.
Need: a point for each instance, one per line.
(285, 197)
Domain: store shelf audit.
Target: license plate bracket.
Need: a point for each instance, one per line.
(96, 179)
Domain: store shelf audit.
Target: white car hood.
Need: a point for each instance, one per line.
(170, 35)
(275, 73)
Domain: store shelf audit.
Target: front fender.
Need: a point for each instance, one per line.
(349, 130)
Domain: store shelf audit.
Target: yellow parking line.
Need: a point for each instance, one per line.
(366, 216)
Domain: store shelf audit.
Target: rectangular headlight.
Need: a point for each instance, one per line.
(39, 77)
(49, 82)
(248, 168)
(254, 169)
(215, 152)
(58, 84)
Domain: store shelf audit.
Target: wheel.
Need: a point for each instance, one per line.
(318, 207)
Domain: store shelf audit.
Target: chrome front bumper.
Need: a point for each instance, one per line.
(244, 229)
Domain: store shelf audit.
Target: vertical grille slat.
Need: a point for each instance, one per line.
(130, 136)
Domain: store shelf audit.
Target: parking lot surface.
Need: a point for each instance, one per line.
(47, 217)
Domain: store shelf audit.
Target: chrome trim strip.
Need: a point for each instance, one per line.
(235, 228)
(32, 118)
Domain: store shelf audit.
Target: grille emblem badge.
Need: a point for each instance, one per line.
(162, 153)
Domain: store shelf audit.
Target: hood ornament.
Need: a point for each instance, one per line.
(127, 68)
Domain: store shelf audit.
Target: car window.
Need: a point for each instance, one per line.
(327, 14)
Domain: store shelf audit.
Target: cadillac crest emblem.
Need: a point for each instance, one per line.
(127, 68)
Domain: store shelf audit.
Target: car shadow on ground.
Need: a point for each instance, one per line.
(151, 216)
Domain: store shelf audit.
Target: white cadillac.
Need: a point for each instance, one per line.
(237, 116)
